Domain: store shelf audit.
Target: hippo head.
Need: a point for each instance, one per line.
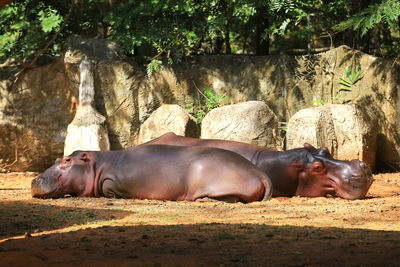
(324, 174)
(68, 175)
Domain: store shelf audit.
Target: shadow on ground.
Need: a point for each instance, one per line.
(207, 245)
(18, 217)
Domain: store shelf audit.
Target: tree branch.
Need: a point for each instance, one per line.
(29, 65)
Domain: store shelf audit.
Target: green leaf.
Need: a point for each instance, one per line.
(348, 72)
(345, 82)
(319, 102)
(49, 20)
(154, 66)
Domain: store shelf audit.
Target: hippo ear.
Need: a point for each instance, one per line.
(323, 151)
(307, 145)
(83, 156)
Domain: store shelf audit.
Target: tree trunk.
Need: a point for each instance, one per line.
(228, 49)
(262, 24)
(218, 43)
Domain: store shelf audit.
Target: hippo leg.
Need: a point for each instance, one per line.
(228, 199)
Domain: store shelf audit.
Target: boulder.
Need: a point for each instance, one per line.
(250, 122)
(168, 118)
(347, 131)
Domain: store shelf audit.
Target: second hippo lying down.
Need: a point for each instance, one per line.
(155, 172)
(304, 171)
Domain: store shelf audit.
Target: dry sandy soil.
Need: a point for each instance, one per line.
(116, 232)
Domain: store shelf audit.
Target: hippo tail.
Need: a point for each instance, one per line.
(267, 188)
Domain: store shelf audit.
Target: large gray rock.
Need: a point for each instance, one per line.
(347, 131)
(250, 122)
(168, 118)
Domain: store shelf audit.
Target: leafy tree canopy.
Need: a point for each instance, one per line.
(175, 28)
(387, 12)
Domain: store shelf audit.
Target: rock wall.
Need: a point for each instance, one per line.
(40, 104)
(34, 118)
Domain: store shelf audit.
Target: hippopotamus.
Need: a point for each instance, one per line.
(306, 171)
(160, 172)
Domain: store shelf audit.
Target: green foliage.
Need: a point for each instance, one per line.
(207, 102)
(387, 12)
(154, 66)
(213, 100)
(282, 5)
(352, 78)
(28, 25)
(49, 19)
(292, 11)
(319, 102)
(170, 30)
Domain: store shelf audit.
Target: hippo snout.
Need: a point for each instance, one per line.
(45, 187)
(39, 186)
(364, 173)
(359, 182)
(34, 183)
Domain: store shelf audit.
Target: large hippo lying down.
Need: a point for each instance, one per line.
(155, 172)
(304, 171)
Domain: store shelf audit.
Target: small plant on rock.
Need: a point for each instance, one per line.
(207, 101)
(352, 78)
(154, 66)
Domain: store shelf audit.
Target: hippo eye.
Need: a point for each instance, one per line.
(65, 160)
(317, 166)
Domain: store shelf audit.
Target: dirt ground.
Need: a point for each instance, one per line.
(117, 232)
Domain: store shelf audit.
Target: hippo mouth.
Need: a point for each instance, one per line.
(46, 187)
(365, 177)
(358, 184)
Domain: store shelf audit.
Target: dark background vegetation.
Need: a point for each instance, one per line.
(168, 30)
